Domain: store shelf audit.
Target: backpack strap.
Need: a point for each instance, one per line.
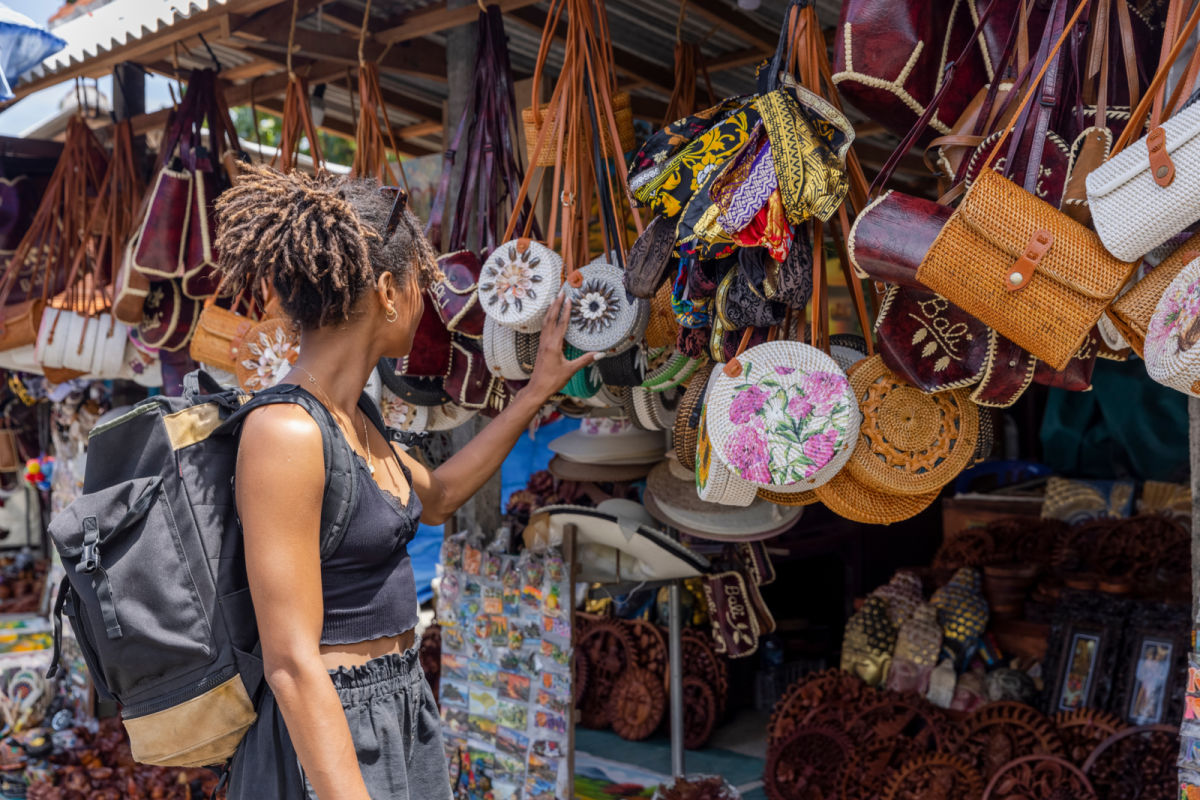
(341, 479)
(406, 438)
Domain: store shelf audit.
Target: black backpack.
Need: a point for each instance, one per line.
(156, 587)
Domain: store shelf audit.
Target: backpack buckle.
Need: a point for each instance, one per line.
(89, 560)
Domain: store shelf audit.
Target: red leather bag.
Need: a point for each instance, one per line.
(454, 298)
(169, 317)
(430, 355)
(930, 342)
(162, 237)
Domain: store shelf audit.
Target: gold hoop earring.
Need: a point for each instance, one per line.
(392, 315)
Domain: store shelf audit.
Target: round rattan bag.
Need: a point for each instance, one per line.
(401, 415)
(910, 442)
(1172, 357)
(687, 416)
(604, 316)
(787, 420)
(845, 496)
(518, 282)
(508, 352)
(716, 483)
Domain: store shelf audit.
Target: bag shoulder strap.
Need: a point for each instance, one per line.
(341, 479)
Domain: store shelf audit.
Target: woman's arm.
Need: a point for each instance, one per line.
(280, 486)
(445, 489)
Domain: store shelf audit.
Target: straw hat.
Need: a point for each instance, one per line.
(1172, 357)
(782, 416)
(518, 283)
(566, 470)
(604, 316)
(613, 549)
(671, 499)
(911, 443)
(610, 441)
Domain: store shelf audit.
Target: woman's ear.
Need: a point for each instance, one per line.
(385, 287)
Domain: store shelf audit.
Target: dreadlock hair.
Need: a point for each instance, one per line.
(317, 241)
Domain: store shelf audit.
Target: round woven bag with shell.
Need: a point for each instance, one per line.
(604, 316)
(401, 415)
(784, 418)
(267, 354)
(518, 282)
(1172, 357)
(910, 443)
(448, 416)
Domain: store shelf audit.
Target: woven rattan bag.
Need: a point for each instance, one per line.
(1020, 265)
(1131, 312)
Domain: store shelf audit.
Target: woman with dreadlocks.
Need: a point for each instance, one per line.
(347, 714)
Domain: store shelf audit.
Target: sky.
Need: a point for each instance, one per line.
(37, 107)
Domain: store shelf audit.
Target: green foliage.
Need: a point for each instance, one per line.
(270, 130)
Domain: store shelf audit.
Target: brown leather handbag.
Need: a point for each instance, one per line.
(1131, 312)
(1020, 265)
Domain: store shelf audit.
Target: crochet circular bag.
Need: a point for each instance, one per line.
(507, 351)
(716, 483)
(782, 416)
(604, 316)
(518, 283)
(1172, 357)
(912, 443)
(267, 354)
(401, 415)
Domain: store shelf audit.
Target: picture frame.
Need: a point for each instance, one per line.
(1152, 668)
(1086, 636)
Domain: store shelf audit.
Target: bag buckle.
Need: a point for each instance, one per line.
(1162, 169)
(89, 560)
(1039, 244)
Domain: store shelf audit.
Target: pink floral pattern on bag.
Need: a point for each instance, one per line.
(1177, 320)
(785, 432)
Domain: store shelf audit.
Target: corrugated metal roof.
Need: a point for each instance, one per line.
(115, 25)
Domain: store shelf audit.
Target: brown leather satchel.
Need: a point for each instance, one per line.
(454, 297)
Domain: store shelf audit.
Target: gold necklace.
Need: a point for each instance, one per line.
(366, 440)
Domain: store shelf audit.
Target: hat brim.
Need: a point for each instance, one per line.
(567, 470)
(761, 520)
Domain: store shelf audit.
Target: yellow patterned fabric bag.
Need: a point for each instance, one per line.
(698, 163)
(812, 178)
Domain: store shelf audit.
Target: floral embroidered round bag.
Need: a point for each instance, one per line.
(783, 417)
(1172, 357)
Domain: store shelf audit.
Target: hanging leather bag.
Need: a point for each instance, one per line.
(1020, 265)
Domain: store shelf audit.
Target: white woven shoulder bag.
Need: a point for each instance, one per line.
(1149, 190)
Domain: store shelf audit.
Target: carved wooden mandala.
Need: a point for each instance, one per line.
(887, 734)
(1083, 730)
(701, 660)
(650, 648)
(1002, 732)
(582, 672)
(1039, 777)
(934, 776)
(430, 656)
(808, 693)
(610, 651)
(699, 712)
(638, 704)
(808, 765)
(973, 547)
(1136, 764)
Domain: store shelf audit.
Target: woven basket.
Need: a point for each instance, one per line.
(1050, 311)
(662, 329)
(789, 498)
(622, 111)
(400, 415)
(787, 421)
(910, 443)
(716, 483)
(689, 405)
(846, 497)
(219, 333)
(1171, 352)
(518, 284)
(603, 315)
(1131, 312)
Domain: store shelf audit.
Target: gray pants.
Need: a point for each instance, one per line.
(394, 724)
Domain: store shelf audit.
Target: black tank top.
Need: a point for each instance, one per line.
(367, 582)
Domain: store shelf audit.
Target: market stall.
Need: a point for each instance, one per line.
(881, 487)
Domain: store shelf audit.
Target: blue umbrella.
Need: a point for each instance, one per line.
(23, 45)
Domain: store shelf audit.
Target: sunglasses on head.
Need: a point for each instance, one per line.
(398, 205)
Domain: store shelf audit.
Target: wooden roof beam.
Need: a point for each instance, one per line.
(435, 19)
(422, 58)
(736, 22)
(347, 130)
(642, 71)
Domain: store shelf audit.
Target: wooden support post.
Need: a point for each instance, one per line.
(1194, 459)
(569, 559)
